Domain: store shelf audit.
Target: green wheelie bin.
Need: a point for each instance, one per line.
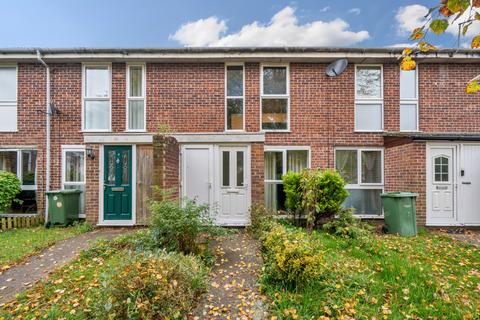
(63, 207)
(399, 210)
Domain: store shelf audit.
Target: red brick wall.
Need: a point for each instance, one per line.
(257, 168)
(92, 185)
(405, 170)
(166, 172)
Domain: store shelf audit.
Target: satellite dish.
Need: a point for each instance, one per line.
(336, 67)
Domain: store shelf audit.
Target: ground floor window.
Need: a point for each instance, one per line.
(73, 171)
(279, 161)
(23, 163)
(362, 169)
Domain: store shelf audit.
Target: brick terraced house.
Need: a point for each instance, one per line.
(241, 117)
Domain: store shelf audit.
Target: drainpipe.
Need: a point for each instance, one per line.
(47, 131)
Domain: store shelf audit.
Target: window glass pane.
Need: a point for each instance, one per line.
(408, 117)
(369, 82)
(235, 81)
(371, 167)
(226, 168)
(275, 80)
(97, 115)
(240, 168)
(136, 81)
(136, 115)
(346, 164)
(274, 114)
(8, 84)
(408, 84)
(297, 160)
(28, 204)
(364, 201)
(97, 82)
(441, 169)
(112, 157)
(8, 118)
(125, 167)
(82, 195)
(368, 117)
(29, 165)
(273, 165)
(8, 161)
(74, 166)
(234, 114)
(274, 196)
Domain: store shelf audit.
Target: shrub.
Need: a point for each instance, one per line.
(151, 286)
(293, 192)
(323, 193)
(9, 189)
(260, 220)
(178, 227)
(348, 226)
(292, 256)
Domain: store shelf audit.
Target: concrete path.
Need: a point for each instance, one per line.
(22, 276)
(470, 236)
(233, 289)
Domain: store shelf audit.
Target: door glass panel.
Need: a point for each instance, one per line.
(273, 165)
(441, 169)
(74, 166)
(111, 167)
(29, 161)
(226, 168)
(240, 169)
(125, 171)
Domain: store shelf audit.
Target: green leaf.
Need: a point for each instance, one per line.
(458, 5)
(439, 26)
(465, 28)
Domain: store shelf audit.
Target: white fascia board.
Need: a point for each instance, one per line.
(118, 138)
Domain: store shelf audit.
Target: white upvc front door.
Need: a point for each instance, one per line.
(233, 185)
(469, 185)
(198, 173)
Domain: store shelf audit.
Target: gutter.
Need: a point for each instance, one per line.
(47, 130)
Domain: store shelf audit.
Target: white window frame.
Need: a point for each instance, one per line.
(369, 101)
(275, 96)
(74, 148)
(142, 98)
(11, 103)
(20, 166)
(411, 101)
(85, 98)
(359, 185)
(234, 97)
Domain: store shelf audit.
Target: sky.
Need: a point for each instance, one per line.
(203, 23)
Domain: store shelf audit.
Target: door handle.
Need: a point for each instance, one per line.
(466, 182)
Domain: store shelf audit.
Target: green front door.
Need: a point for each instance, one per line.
(117, 183)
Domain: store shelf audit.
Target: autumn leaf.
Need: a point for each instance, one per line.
(408, 64)
(439, 26)
(406, 52)
(417, 34)
(445, 11)
(475, 42)
(476, 3)
(472, 87)
(425, 46)
(458, 5)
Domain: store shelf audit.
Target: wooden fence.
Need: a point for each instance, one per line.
(13, 222)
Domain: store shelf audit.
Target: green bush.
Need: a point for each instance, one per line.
(293, 192)
(348, 226)
(260, 220)
(291, 256)
(9, 189)
(178, 227)
(151, 286)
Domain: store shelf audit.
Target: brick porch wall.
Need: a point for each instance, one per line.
(405, 170)
(166, 157)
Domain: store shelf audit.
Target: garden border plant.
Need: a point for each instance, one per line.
(10, 187)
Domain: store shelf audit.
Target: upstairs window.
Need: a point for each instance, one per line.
(275, 98)
(97, 98)
(235, 97)
(368, 98)
(136, 98)
(8, 98)
(408, 100)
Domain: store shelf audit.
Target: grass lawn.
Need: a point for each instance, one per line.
(17, 244)
(115, 279)
(425, 277)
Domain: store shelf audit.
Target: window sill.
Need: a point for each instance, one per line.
(277, 131)
(96, 131)
(369, 131)
(9, 131)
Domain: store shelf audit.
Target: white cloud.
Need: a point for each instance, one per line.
(201, 32)
(401, 45)
(325, 9)
(356, 11)
(473, 30)
(282, 30)
(410, 17)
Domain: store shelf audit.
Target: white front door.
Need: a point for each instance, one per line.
(233, 185)
(440, 185)
(469, 185)
(197, 177)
